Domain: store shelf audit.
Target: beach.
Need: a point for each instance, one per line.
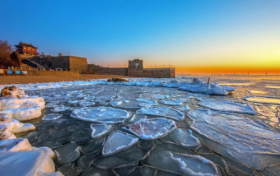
(41, 79)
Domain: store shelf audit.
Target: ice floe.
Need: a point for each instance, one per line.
(171, 102)
(86, 103)
(99, 129)
(118, 141)
(150, 129)
(237, 137)
(265, 100)
(163, 112)
(228, 106)
(67, 153)
(60, 108)
(125, 103)
(198, 86)
(101, 114)
(171, 158)
(185, 137)
(52, 116)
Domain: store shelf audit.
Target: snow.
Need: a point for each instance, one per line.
(228, 106)
(118, 141)
(237, 137)
(150, 129)
(101, 114)
(163, 112)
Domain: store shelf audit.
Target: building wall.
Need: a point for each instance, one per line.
(60, 62)
(78, 63)
(45, 73)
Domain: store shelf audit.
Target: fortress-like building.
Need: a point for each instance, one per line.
(26, 56)
(136, 69)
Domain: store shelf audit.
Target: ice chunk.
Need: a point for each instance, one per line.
(127, 157)
(163, 112)
(150, 129)
(171, 102)
(125, 103)
(26, 127)
(94, 146)
(73, 101)
(228, 106)
(67, 153)
(151, 102)
(14, 103)
(185, 137)
(266, 111)
(23, 113)
(194, 165)
(60, 108)
(101, 114)
(52, 116)
(86, 103)
(198, 86)
(14, 145)
(89, 98)
(26, 162)
(170, 158)
(118, 141)
(99, 129)
(51, 105)
(266, 100)
(237, 137)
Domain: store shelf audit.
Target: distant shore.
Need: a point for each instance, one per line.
(40, 79)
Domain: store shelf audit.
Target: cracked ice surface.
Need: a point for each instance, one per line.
(185, 137)
(118, 141)
(228, 106)
(163, 112)
(237, 137)
(101, 114)
(266, 100)
(150, 129)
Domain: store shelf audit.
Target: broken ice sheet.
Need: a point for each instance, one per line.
(52, 116)
(238, 138)
(171, 102)
(185, 137)
(228, 106)
(60, 108)
(172, 158)
(101, 114)
(150, 129)
(99, 129)
(163, 112)
(126, 157)
(118, 141)
(125, 103)
(151, 102)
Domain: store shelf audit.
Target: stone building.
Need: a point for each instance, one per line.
(136, 69)
(26, 56)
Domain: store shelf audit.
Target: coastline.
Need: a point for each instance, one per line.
(41, 79)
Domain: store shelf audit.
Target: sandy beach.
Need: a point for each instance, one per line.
(40, 79)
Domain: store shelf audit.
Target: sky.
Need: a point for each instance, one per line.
(194, 36)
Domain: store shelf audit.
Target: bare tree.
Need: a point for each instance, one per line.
(5, 53)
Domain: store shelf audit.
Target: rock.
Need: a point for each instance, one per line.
(117, 80)
(150, 129)
(67, 153)
(25, 128)
(118, 141)
(6, 133)
(101, 114)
